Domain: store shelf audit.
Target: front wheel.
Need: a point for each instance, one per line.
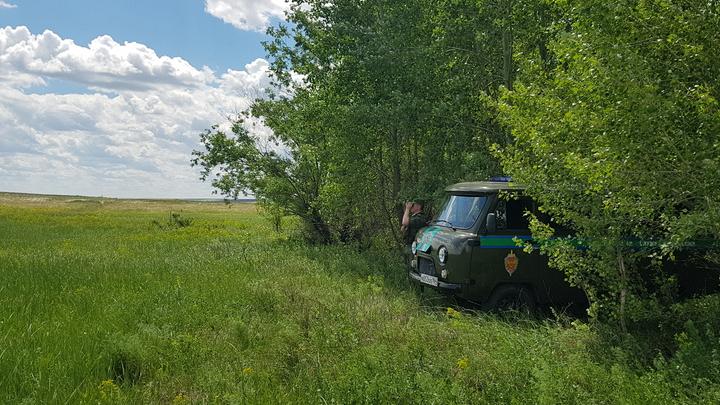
(512, 298)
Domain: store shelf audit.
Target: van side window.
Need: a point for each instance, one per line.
(501, 215)
(511, 214)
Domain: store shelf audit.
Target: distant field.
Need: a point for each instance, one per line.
(117, 301)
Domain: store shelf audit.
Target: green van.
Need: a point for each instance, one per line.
(470, 250)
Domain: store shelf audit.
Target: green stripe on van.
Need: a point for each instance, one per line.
(501, 242)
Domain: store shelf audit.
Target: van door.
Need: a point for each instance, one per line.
(498, 259)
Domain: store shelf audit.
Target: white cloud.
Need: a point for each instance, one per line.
(252, 82)
(7, 5)
(103, 64)
(131, 138)
(248, 15)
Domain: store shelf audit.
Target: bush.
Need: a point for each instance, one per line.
(175, 221)
(128, 360)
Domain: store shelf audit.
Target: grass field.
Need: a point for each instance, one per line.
(117, 301)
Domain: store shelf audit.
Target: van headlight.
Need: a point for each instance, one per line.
(413, 247)
(442, 255)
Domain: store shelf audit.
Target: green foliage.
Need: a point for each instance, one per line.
(274, 214)
(608, 112)
(285, 171)
(619, 140)
(392, 102)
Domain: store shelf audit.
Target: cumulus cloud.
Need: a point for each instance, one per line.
(7, 5)
(103, 63)
(250, 15)
(131, 139)
(251, 82)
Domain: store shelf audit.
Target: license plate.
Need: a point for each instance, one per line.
(428, 279)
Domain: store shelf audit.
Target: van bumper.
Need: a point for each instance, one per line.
(441, 284)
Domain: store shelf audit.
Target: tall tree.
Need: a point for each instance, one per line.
(403, 85)
(620, 138)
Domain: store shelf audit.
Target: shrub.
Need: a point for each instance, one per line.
(128, 360)
(175, 221)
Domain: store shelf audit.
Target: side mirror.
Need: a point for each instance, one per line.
(491, 223)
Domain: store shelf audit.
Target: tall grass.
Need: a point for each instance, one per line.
(100, 304)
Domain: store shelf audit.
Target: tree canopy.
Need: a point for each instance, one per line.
(607, 111)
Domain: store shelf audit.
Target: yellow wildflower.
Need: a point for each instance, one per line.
(180, 399)
(247, 370)
(463, 363)
(108, 388)
(453, 313)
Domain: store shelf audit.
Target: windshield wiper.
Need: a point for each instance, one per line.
(447, 222)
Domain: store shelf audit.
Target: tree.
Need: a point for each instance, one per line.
(283, 171)
(403, 93)
(620, 139)
(401, 87)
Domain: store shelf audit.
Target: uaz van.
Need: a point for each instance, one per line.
(470, 250)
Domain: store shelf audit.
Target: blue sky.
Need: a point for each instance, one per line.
(108, 97)
(170, 27)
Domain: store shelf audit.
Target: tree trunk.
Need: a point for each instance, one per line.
(415, 161)
(321, 229)
(544, 55)
(623, 290)
(507, 47)
(396, 164)
(389, 217)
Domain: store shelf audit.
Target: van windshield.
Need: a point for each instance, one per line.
(461, 211)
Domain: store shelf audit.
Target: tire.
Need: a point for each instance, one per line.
(512, 298)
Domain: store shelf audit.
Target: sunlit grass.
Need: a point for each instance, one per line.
(100, 304)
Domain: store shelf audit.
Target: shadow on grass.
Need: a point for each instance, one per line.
(384, 267)
(387, 269)
(128, 359)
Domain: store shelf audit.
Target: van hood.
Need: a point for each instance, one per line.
(436, 236)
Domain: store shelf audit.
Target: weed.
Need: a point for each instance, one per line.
(242, 335)
(108, 389)
(128, 361)
(175, 221)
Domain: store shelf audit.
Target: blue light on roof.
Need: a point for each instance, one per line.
(504, 179)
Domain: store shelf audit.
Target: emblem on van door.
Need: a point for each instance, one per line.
(511, 263)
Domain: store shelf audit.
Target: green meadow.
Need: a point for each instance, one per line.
(119, 301)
